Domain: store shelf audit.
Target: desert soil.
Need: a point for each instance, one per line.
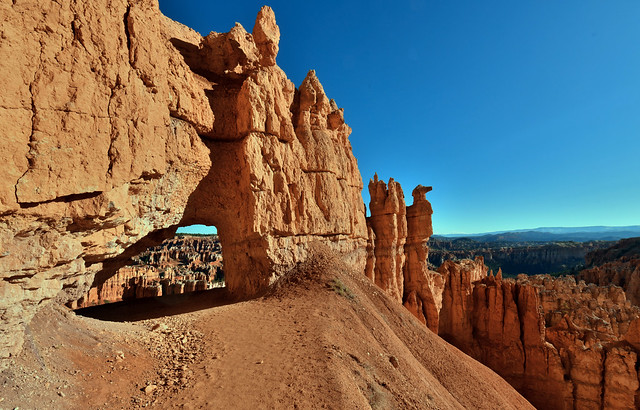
(324, 337)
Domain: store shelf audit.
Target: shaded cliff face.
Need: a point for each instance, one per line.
(122, 125)
(617, 265)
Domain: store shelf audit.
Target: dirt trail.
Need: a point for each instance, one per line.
(324, 338)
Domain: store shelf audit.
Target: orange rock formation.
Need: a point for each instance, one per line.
(562, 344)
(397, 251)
(123, 125)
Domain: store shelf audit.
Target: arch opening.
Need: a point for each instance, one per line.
(190, 261)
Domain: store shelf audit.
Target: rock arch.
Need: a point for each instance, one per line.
(106, 156)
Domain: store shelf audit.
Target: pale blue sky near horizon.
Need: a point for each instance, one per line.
(519, 114)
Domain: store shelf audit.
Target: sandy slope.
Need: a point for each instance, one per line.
(323, 338)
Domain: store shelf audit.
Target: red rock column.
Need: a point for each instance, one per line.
(421, 287)
(389, 224)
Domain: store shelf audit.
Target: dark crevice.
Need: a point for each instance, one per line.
(77, 33)
(110, 154)
(126, 30)
(521, 319)
(74, 30)
(30, 157)
(65, 198)
(318, 171)
(12, 279)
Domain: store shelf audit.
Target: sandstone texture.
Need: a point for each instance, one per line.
(121, 125)
(617, 265)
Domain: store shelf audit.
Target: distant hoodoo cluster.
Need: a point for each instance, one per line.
(179, 265)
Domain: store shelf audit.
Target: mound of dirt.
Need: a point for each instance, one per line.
(323, 337)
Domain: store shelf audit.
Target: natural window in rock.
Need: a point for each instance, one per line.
(190, 261)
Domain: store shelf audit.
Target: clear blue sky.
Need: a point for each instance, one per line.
(520, 113)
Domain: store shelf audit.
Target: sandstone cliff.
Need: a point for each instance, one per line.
(121, 125)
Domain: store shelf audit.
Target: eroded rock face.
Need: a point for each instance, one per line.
(121, 125)
(388, 223)
(102, 146)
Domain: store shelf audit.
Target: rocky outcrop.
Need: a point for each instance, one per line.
(388, 223)
(561, 344)
(122, 125)
(422, 293)
(617, 265)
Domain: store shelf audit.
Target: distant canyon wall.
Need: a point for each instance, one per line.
(514, 259)
(121, 125)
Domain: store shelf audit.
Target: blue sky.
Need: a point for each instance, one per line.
(519, 114)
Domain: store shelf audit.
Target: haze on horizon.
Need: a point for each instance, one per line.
(519, 114)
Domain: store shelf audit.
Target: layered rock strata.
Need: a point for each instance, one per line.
(121, 125)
